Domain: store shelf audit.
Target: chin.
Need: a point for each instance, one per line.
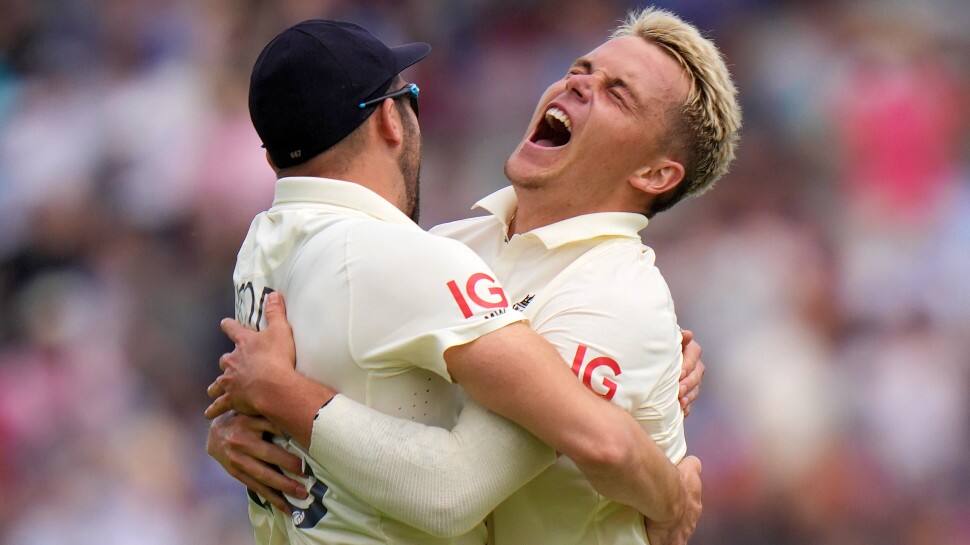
(526, 174)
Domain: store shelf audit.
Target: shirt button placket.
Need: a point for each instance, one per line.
(511, 253)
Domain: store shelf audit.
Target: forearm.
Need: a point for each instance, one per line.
(533, 387)
(291, 403)
(439, 481)
(635, 471)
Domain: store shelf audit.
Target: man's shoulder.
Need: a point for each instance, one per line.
(398, 247)
(407, 237)
(622, 272)
(362, 229)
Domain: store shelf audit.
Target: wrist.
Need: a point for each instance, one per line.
(266, 393)
(680, 503)
(292, 405)
(674, 503)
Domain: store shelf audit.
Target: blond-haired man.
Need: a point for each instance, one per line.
(641, 122)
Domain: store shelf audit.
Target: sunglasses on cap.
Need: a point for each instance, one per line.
(411, 90)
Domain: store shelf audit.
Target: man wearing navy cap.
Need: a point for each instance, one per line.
(390, 315)
(316, 83)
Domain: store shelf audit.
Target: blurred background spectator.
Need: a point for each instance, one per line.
(828, 277)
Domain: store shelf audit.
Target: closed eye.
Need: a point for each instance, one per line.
(619, 96)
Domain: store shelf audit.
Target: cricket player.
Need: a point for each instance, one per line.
(406, 312)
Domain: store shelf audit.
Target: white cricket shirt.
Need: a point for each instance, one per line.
(590, 287)
(374, 302)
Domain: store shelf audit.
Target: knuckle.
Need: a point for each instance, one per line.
(233, 464)
(236, 440)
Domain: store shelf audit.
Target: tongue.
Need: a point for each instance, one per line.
(546, 143)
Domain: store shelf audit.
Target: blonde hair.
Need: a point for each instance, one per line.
(710, 118)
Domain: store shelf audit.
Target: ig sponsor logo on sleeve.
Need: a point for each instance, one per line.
(607, 369)
(480, 291)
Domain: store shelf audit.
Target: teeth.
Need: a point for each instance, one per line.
(559, 115)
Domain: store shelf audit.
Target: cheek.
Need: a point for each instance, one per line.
(617, 145)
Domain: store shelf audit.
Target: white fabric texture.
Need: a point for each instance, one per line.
(439, 481)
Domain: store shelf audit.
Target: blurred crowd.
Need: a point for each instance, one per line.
(827, 277)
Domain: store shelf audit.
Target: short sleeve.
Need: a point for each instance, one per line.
(616, 329)
(414, 295)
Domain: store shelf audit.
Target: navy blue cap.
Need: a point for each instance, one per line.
(307, 83)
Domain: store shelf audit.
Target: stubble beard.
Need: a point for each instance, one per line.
(410, 166)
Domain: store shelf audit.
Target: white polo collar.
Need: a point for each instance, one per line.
(306, 189)
(502, 205)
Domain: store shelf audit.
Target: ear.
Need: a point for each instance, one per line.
(658, 178)
(389, 125)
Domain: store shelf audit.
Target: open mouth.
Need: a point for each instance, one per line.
(553, 130)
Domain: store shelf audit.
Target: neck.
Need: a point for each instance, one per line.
(541, 206)
(386, 182)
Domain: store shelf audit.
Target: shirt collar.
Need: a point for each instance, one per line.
(304, 189)
(503, 202)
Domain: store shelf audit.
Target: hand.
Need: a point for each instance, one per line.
(236, 442)
(680, 530)
(691, 373)
(260, 366)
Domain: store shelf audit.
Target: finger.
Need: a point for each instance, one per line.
(272, 454)
(687, 335)
(691, 360)
(224, 360)
(281, 300)
(216, 389)
(687, 366)
(692, 382)
(692, 354)
(694, 462)
(233, 329)
(260, 424)
(688, 400)
(269, 477)
(218, 407)
(275, 312)
(270, 495)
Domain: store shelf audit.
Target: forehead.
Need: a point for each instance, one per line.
(645, 66)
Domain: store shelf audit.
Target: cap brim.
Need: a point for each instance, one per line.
(408, 54)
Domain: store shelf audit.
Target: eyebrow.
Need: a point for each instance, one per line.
(587, 65)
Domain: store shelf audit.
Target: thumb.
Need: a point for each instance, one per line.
(275, 312)
(693, 462)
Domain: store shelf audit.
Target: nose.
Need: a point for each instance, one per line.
(582, 85)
